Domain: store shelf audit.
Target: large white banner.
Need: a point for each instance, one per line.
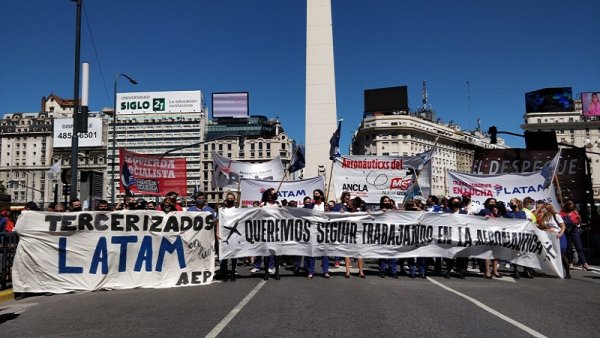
(502, 187)
(85, 251)
(371, 177)
(305, 232)
(63, 132)
(228, 173)
(251, 190)
(160, 102)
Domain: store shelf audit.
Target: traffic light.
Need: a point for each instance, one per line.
(66, 189)
(493, 131)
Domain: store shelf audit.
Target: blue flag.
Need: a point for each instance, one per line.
(334, 142)
(297, 161)
(549, 170)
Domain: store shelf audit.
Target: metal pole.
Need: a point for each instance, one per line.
(76, 116)
(114, 136)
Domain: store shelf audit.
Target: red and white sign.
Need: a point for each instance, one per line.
(152, 175)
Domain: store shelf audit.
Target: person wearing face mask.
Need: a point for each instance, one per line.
(455, 206)
(491, 210)
(75, 205)
(516, 211)
(469, 206)
(200, 205)
(318, 204)
(102, 206)
(529, 208)
(269, 200)
(356, 205)
(167, 205)
(551, 221)
(387, 264)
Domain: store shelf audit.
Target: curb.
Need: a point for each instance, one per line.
(6, 295)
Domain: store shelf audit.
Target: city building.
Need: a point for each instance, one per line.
(572, 130)
(262, 139)
(400, 133)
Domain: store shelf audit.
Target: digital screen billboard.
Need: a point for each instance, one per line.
(549, 100)
(230, 105)
(386, 99)
(590, 103)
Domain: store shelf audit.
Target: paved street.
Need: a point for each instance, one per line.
(297, 307)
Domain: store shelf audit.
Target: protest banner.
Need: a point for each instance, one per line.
(503, 187)
(152, 175)
(251, 190)
(392, 234)
(85, 251)
(571, 170)
(371, 177)
(228, 173)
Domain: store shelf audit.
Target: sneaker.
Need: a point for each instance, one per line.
(337, 264)
(254, 270)
(271, 271)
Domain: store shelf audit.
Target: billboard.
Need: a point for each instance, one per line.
(63, 131)
(159, 102)
(386, 99)
(590, 103)
(230, 105)
(549, 100)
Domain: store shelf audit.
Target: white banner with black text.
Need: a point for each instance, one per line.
(393, 234)
(85, 251)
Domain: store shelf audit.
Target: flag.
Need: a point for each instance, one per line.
(414, 189)
(127, 179)
(334, 142)
(426, 156)
(549, 170)
(297, 161)
(54, 170)
(196, 190)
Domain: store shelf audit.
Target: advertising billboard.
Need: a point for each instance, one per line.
(230, 105)
(159, 102)
(549, 100)
(590, 103)
(63, 131)
(386, 99)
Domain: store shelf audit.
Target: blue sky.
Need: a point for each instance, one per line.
(503, 48)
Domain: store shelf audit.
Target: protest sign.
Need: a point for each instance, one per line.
(152, 175)
(251, 190)
(392, 234)
(85, 251)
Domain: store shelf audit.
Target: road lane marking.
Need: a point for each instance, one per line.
(217, 329)
(490, 310)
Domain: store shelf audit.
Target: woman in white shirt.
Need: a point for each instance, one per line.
(549, 220)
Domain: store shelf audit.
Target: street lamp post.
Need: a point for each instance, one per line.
(114, 132)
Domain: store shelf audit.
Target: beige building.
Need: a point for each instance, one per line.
(574, 130)
(403, 134)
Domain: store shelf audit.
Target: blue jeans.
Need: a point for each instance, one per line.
(258, 262)
(391, 263)
(324, 265)
(575, 238)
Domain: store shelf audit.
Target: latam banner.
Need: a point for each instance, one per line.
(251, 190)
(571, 170)
(371, 177)
(502, 187)
(228, 173)
(152, 175)
(160, 102)
(86, 251)
(393, 234)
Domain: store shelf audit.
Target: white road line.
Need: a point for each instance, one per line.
(217, 329)
(490, 310)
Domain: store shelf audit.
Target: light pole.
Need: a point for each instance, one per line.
(114, 133)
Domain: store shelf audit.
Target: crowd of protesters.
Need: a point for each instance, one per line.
(565, 223)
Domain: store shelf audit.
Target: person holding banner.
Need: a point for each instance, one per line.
(356, 205)
(200, 205)
(385, 204)
(516, 211)
(318, 198)
(455, 207)
(551, 221)
(491, 210)
(269, 200)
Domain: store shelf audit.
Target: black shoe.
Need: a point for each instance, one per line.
(461, 275)
(567, 276)
(395, 276)
(382, 274)
(447, 275)
(517, 276)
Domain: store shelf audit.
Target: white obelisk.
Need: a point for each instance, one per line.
(321, 117)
